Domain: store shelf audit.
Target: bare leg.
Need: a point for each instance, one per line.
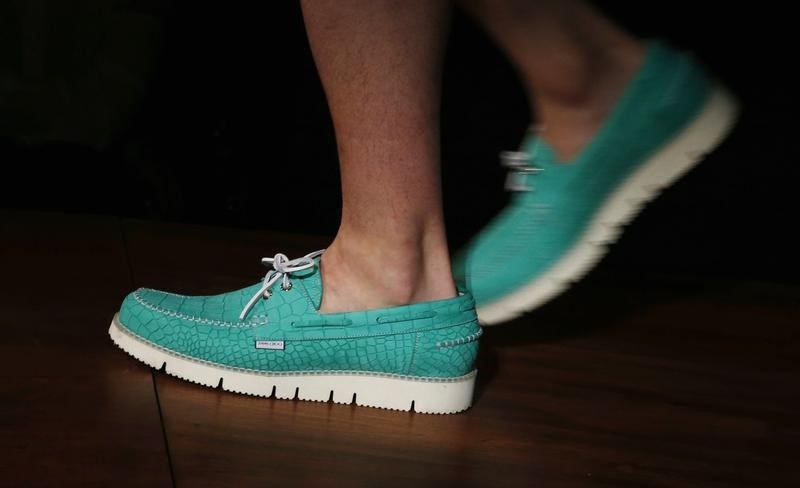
(380, 65)
(573, 61)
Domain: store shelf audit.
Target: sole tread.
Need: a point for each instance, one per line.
(374, 391)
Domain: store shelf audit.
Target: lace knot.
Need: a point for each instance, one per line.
(282, 268)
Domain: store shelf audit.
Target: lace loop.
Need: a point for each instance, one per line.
(282, 268)
(519, 165)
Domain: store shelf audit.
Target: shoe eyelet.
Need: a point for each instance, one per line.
(287, 287)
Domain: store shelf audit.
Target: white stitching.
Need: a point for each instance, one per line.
(191, 318)
(460, 340)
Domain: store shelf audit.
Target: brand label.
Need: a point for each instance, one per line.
(269, 345)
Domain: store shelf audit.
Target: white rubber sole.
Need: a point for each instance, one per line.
(395, 392)
(665, 167)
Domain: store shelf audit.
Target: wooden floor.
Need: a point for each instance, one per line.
(663, 381)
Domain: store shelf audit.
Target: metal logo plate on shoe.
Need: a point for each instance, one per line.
(270, 345)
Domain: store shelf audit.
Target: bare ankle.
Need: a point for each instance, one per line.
(358, 276)
(572, 119)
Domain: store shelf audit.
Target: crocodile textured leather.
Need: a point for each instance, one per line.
(437, 339)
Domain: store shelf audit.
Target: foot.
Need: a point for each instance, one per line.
(570, 119)
(563, 216)
(360, 274)
(270, 339)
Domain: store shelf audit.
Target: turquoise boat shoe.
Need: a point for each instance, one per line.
(563, 215)
(270, 339)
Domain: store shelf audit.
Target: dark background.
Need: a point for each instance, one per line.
(212, 113)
